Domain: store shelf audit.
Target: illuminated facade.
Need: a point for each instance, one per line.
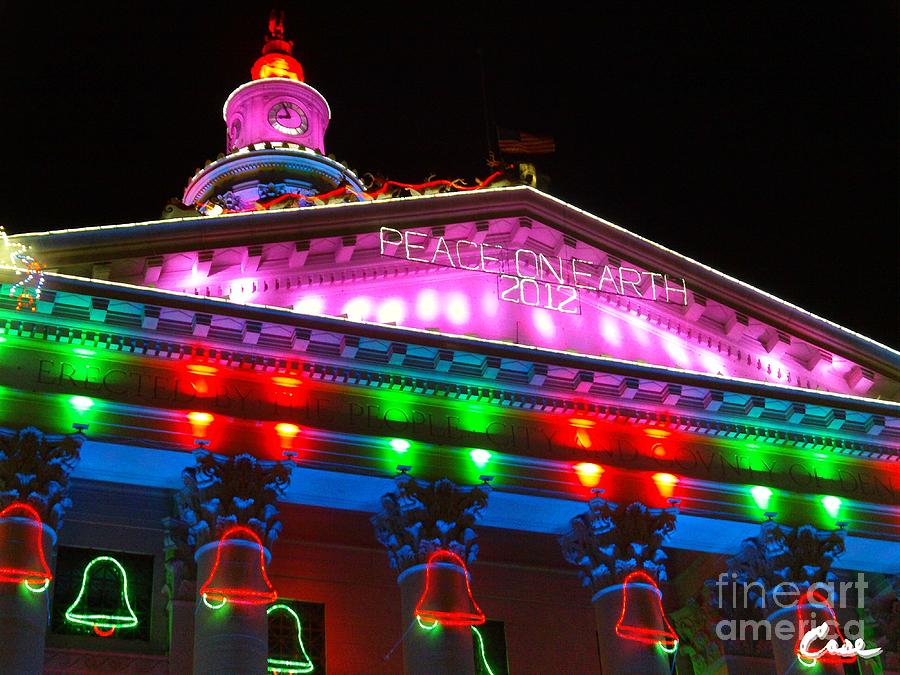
(368, 375)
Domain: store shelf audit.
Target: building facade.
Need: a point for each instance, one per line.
(308, 423)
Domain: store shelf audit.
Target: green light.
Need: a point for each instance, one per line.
(480, 457)
(426, 626)
(37, 589)
(291, 665)
(761, 495)
(83, 352)
(480, 640)
(81, 403)
(832, 505)
(212, 605)
(2, 339)
(103, 621)
(668, 650)
(399, 445)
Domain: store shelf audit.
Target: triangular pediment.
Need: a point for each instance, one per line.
(527, 270)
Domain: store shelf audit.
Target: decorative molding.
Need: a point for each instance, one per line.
(608, 542)
(419, 518)
(810, 420)
(35, 468)
(802, 556)
(77, 662)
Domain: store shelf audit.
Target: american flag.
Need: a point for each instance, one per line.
(522, 143)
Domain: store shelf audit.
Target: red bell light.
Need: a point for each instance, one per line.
(239, 572)
(812, 614)
(448, 598)
(642, 618)
(22, 554)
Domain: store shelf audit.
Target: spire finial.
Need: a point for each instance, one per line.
(277, 59)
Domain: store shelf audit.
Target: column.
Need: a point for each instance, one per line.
(618, 550)
(417, 520)
(35, 470)
(219, 552)
(786, 573)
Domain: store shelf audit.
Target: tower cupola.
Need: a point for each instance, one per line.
(276, 127)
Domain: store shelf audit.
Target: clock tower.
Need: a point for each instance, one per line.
(276, 127)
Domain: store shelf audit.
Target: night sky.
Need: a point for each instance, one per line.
(758, 138)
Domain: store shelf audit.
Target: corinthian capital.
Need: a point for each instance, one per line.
(608, 542)
(35, 468)
(419, 517)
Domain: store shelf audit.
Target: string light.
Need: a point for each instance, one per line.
(238, 596)
(654, 636)
(103, 625)
(291, 665)
(448, 618)
(484, 660)
(40, 576)
(27, 291)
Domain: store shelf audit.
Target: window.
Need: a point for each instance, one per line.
(102, 593)
(489, 643)
(297, 636)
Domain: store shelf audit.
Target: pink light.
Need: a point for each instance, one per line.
(676, 350)
(458, 309)
(358, 309)
(310, 304)
(611, 330)
(427, 304)
(392, 310)
(490, 303)
(544, 323)
(241, 290)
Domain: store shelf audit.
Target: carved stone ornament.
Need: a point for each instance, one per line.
(419, 518)
(35, 468)
(608, 542)
(778, 554)
(217, 493)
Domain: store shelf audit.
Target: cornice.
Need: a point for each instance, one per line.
(456, 367)
(66, 247)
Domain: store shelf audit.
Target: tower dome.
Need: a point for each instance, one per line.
(276, 127)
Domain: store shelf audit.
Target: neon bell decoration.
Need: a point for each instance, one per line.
(22, 555)
(239, 572)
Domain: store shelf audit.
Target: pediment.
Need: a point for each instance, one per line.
(542, 279)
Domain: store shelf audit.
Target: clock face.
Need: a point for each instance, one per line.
(288, 118)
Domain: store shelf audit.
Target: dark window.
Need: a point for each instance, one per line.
(283, 643)
(493, 637)
(89, 585)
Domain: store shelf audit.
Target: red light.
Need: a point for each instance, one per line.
(240, 596)
(277, 65)
(287, 429)
(289, 382)
(651, 636)
(580, 423)
(473, 618)
(588, 473)
(659, 450)
(656, 433)
(201, 418)
(665, 483)
(200, 369)
(104, 633)
(41, 573)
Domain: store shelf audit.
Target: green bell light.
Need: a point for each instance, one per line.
(95, 606)
(295, 659)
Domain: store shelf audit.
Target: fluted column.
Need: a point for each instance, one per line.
(609, 543)
(219, 494)
(777, 572)
(34, 472)
(416, 520)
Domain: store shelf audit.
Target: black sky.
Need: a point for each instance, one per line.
(758, 138)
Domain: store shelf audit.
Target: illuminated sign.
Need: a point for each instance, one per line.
(530, 277)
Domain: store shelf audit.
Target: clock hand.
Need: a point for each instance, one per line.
(286, 111)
